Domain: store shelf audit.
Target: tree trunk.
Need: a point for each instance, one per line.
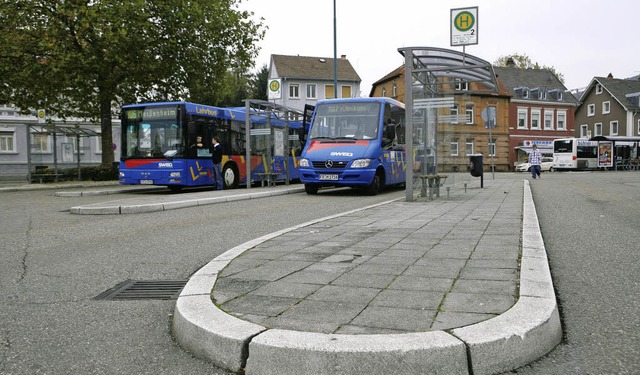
(107, 135)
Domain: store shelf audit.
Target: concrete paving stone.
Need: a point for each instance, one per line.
(335, 293)
(432, 284)
(370, 244)
(412, 320)
(512, 239)
(316, 250)
(485, 286)
(312, 277)
(447, 320)
(383, 258)
(409, 299)
(432, 270)
(331, 267)
(300, 325)
(355, 279)
(258, 305)
(241, 264)
(493, 263)
(345, 258)
(384, 269)
(508, 252)
(350, 329)
(364, 251)
(228, 288)
(305, 257)
(263, 255)
(477, 303)
(450, 251)
(508, 274)
(273, 270)
(324, 311)
(286, 289)
(408, 252)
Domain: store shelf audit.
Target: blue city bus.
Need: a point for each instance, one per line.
(168, 143)
(356, 142)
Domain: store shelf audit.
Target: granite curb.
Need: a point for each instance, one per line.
(530, 329)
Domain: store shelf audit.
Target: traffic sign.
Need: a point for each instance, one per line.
(41, 116)
(464, 26)
(275, 89)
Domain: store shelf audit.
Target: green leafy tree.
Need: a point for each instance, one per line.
(259, 82)
(523, 61)
(84, 58)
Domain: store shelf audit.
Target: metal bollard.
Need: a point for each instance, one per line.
(465, 187)
(447, 192)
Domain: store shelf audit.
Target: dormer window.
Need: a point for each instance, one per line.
(460, 85)
(560, 95)
(542, 95)
(525, 93)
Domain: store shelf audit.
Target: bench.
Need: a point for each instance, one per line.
(269, 178)
(431, 184)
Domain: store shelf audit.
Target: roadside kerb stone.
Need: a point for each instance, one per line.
(531, 328)
(282, 352)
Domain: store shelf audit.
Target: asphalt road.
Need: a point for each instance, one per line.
(55, 263)
(590, 223)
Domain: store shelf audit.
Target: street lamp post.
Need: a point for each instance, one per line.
(335, 54)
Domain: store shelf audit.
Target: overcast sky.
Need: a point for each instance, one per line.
(582, 39)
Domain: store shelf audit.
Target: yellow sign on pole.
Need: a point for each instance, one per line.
(41, 116)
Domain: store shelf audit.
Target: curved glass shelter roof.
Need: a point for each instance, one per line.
(429, 66)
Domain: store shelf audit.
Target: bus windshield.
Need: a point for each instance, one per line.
(152, 132)
(346, 121)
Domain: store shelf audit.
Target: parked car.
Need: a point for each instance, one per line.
(545, 165)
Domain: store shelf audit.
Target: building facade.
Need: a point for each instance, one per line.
(305, 80)
(541, 109)
(464, 130)
(29, 143)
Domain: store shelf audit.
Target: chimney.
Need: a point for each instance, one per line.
(610, 76)
(511, 63)
(343, 56)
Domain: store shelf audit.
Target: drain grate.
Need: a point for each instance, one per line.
(144, 290)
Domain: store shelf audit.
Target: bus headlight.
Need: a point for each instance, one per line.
(121, 174)
(174, 174)
(361, 163)
(304, 163)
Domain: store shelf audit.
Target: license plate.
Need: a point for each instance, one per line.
(330, 177)
(146, 182)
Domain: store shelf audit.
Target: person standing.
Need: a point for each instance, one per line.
(216, 157)
(535, 158)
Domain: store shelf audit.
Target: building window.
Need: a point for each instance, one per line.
(395, 90)
(346, 91)
(560, 95)
(454, 115)
(584, 131)
(614, 128)
(606, 107)
(597, 129)
(598, 89)
(535, 119)
(294, 91)
(7, 141)
(98, 147)
(468, 109)
(525, 93)
(311, 91)
(548, 120)
(329, 92)
(469, 148)
(460, 85)
(522, 118)
(561, 120)
(384, 92)
(591, 110)
(454, 147)
(492, 147)
(542, 95)
(40, 143)
(639, 127)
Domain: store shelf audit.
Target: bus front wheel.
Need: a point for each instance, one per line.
(376, 185)
(230, 176)
(311, 189)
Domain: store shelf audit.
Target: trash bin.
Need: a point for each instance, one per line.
(475, 165)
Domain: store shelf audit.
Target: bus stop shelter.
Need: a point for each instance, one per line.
(431, 76)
